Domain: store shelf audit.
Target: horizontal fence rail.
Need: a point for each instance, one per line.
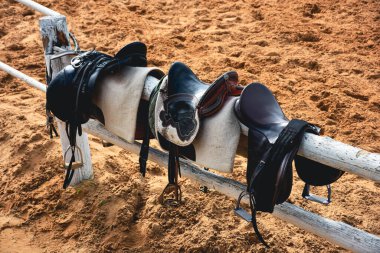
(29, 80)
(38, 7)
(321, 149)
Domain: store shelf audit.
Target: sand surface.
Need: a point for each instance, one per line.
(320, 58)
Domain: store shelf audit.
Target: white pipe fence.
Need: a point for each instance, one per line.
(38, 7)
(329, 151)
(29, 80)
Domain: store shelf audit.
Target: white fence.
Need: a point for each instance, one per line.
(322, 149)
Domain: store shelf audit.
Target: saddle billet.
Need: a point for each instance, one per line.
(177, 105)
(273, 142)
(69, 93)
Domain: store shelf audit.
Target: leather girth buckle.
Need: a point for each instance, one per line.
(318, 199)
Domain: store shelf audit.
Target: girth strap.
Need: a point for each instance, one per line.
(144, 150)
(71, 131)
(50, 124)
(174, 168)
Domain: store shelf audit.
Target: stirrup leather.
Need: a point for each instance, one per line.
(246, 216)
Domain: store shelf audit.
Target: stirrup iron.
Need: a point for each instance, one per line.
(164, 198)
(240, 211)
(307, 195)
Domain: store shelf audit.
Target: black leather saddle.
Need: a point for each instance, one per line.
(69, 94)
(187, 95)
(273, 142)
(185, 101)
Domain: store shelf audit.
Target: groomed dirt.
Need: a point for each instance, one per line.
(320, 58)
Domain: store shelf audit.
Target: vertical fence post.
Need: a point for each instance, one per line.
(54, 33)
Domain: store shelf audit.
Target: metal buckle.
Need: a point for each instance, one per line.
(165, 198)
(307, 195)
(77, 164)
(240, 211)
(77, 61)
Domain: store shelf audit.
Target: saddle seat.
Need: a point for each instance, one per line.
(257, 108)
(187, 99)
(183, 82)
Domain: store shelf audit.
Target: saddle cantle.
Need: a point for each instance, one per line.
(69, 93)
(177, 105)
(273, 142)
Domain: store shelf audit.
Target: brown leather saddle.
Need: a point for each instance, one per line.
(273, 142)
(177, 106)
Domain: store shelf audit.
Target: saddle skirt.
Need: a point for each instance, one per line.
(119, 98)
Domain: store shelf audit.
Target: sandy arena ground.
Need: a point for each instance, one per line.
(320, 58)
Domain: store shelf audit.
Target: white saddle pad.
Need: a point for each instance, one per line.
(118, 96)
(218, 139)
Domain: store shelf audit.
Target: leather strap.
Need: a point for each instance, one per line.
(144, 150)
(71, 131)
(174, 166)
(252, 205)
(268, 163)
(69, 171)
(50, 124)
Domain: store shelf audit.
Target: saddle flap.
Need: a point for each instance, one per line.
(61, 95)
(176, 117)
(315, 173)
